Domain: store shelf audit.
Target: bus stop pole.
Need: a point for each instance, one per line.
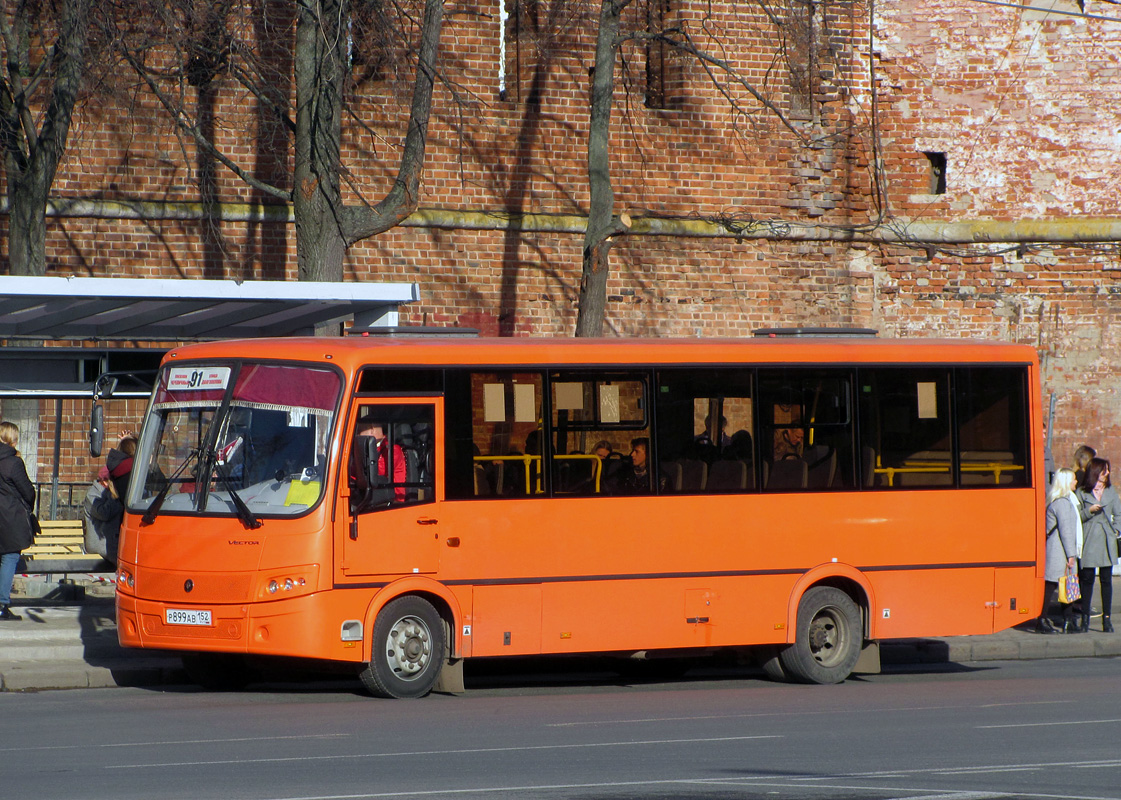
(57, 457)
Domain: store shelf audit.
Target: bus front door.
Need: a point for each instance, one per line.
(390, 493)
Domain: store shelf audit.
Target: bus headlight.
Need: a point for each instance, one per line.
(297, 581)
(124, 578)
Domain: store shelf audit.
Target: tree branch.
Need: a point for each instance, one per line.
(364, 221)
(183, 124)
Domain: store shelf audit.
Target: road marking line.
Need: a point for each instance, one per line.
(900, 793)
(467, 751)
(789, 714)
(1046, 724)
(88, 745)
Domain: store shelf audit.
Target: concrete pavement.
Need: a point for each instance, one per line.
(67, 639)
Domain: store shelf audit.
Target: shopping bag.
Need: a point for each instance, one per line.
(1069, 590)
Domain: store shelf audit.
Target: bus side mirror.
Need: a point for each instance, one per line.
(104, 387)
(97, 429)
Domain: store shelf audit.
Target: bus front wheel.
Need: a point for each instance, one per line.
(828, 638)
(408, 650)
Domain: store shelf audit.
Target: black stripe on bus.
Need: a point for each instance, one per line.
(715, 574)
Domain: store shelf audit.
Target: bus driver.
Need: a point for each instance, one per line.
(370, 428)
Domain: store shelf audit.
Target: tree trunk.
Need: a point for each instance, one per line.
(324, 227)
(601, 223)
(32, 157)
(27, 226)
(320, 67)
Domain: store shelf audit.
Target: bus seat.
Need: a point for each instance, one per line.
(611, 467)
(575, 475)
(497, 472)
(940, 478)
(868, 466)
(821, 461)
(787, 474)
(483, 486)
(404, 437)
(672, 471)
(727, 476)
(694, 474)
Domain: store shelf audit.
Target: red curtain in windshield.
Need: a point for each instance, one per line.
(297, 387)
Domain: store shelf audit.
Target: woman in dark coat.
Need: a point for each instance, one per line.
(17, 499)
(1101, 515)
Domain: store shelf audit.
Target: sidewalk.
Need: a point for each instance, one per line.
(68, 640)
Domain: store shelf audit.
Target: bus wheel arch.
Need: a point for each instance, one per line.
(828, 636)
(408, 647)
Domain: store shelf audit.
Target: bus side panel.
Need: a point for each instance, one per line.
(933, 602)
(647, 566)
(674, 613)
(1018, 596)
(507, 621)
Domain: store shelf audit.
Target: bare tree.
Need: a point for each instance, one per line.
(320, 59)
(38, 91)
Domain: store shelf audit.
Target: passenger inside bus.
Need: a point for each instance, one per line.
(634, 476)
(370, 445)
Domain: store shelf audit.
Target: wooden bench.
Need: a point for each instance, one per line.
(60, 547)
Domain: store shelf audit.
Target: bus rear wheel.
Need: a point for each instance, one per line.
(828, 638)
(408, 650)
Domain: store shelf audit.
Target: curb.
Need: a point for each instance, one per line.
(1009, 646)
(30, 676)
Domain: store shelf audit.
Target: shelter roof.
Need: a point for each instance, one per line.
(179, 310)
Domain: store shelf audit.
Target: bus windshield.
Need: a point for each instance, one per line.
(235, 438)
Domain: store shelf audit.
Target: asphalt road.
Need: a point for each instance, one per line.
(1032, 729)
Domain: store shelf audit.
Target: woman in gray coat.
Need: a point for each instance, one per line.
(1101, 514)
(1063, 527)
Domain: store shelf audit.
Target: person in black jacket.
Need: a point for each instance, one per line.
(17, 499)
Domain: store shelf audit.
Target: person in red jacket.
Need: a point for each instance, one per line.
(369, 427)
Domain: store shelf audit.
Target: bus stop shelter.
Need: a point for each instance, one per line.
(60, 334)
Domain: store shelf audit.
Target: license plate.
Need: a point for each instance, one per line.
(180, 616)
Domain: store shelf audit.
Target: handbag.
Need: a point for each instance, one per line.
(1069, 590)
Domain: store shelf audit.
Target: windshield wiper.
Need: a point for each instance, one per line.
(243, 513)
(157, 502)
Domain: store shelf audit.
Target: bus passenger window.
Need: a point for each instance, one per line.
(905, 428)
(596, 420)
(494, 438)
(706, 424)
(992, 425)
(806, 430)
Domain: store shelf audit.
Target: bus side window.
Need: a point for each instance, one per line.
(992, 426)
(806, 430)
(596, 419)
(706, 423)
(905, 427)
(392, 457)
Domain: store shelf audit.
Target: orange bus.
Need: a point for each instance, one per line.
(404, 504)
